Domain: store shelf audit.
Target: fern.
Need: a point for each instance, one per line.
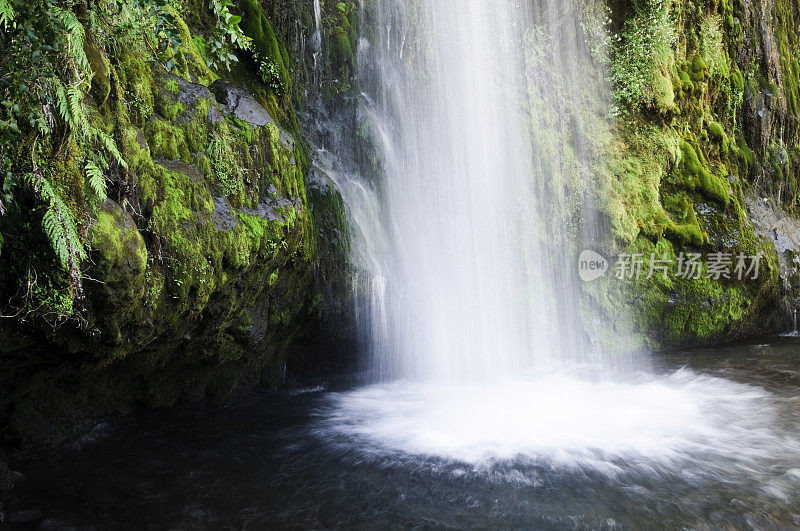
(60, 96)
(110, 146)
(75, 37)
(6, 15)
(80, 122)
(59, 225)
(46, 81)
(96, 181)
(54, 227)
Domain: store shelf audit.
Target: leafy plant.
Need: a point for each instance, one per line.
(270, 75)
(6, 14)
(158, 14)
(644, 44)
(44, 78)
(228, 37)
(225, 167)
(59, 226)
(712, 47)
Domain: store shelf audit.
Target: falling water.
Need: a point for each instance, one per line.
(317, 16)
(482, 112)
(475, 291)
(316, 39)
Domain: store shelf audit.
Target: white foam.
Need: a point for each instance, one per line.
(566, 421)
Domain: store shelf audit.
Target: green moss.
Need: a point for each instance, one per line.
(137, 80)
(716, 132)
(737, 80)
(663, 93)
(169, 109)
(693, 201)
(101, 81)
(196, 131)
(166, 140)
(708, 308)
(242, 129)
(686, 81)
(669, 310)
(186, 282)
(686, 234)
(266, 47)
(642, 56)
(225, 168)
(712, 46)
(699, 69)
(171, 86)
(746, 156)
(201, 46)
(117, 245)
(693, 174)
(188, 60)
(684, 229)
(342, 50)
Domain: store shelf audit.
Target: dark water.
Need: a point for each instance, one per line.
(284, 460)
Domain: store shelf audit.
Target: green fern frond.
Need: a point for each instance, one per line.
(80, 122)
(96, 181)
(110, 146)
(76, 35)
(62, 102)
(59, 224)
(64, 215)
(56, 234)
(6, 15)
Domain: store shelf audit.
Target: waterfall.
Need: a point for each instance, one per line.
(484, 118)
(316, 38)
(477, 288)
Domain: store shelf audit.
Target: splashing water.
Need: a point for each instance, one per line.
(568, 422)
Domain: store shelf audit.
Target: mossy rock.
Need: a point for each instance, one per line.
(266, 46)
(201, 278)
(716, 132)
(687, 85)
(693, 174)
(699, 69)
(121, 260)
(101, 78)
(663, 92)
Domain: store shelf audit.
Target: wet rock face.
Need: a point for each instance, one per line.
(241, 104)
(783, 230)
(686, 160)
(201, 277)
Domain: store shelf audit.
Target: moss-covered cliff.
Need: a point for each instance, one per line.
(196, 272)
(708, 93)
(700, 123)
